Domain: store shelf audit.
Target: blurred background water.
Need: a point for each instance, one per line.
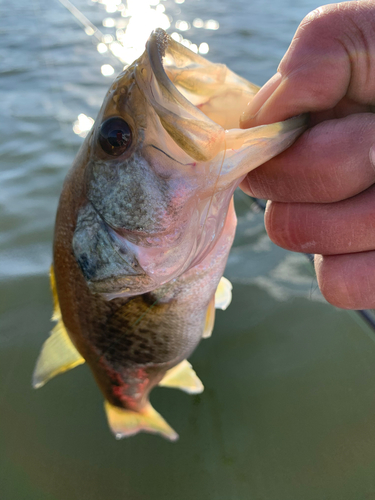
(289, 406)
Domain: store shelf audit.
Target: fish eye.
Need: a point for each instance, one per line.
(115, 136)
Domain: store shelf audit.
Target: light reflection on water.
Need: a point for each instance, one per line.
(131, 28)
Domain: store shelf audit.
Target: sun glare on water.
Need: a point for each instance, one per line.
(83, 125)
(130, 24)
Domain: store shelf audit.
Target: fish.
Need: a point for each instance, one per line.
(144, 226)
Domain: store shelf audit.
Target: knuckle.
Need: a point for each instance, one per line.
(319, 21)
(315, 16)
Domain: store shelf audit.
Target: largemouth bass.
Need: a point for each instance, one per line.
(144, 227)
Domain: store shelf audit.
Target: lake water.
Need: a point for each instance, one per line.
(288, 412)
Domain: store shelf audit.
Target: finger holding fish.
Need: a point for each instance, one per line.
(325, 228)
(330, 162)
(321, 189)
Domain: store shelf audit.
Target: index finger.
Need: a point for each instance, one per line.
(330, 57)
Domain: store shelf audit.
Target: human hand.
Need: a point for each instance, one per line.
(322, 188)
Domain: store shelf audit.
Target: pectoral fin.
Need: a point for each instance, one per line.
(183, 377)
(58, 355)
(210, 319)
(223, 294)
(125, 423)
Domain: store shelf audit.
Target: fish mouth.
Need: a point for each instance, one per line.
(159, 67)
(161, 48)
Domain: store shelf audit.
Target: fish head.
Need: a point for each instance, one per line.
(162, 162)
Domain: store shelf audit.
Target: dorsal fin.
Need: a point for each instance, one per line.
(183, 377)
(125, 423)
(56, 315)
(58, 353)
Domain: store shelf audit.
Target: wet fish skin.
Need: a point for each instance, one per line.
(141, 240)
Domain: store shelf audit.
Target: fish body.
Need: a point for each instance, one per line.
(144, 227)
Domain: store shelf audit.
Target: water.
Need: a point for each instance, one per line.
(289, 407)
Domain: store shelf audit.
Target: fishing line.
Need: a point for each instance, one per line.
(90, 28)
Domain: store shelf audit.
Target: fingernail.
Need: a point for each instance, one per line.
(260, 98)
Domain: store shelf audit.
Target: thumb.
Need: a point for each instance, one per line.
(332, 56)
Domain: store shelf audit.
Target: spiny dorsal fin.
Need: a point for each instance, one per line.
(125, 423)
(223, 294)
(183, 377)
(58, 353)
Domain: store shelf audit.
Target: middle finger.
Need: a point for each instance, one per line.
(329, 228)
(330, 162)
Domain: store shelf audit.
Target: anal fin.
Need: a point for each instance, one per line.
(183, 377)
(125, 423)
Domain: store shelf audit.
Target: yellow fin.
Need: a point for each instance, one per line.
(210, 320)
(183, 377)
(56, 315)
(125, 423)
(223, 294)
(58, 355)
